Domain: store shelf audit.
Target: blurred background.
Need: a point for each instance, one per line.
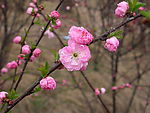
(130, 64)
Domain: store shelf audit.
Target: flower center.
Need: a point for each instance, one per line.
(75, 54)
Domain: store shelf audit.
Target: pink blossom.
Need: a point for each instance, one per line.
(128, 85)
(80, 35)
(103, 90)
(48, 83)
(19, 62)
(50, 34)
(21, 56)
(4, 70)
(114, 88)
(3, 95)
(34, 1)
(58, 24)
(37, 52)
(31, 4)
(121, 9)
(141, 8)
(74, 56)
(112, 44)
(26, 49)
(32, 58)
(17, 40)
(97, 92)
(55, 14)
(12, 65)
(30, 10)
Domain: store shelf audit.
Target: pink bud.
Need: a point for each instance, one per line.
(21, 56)
(3, 95)
(12, 65)
(37, 52)
(55, 14)
(141, 8)
(128, 85)
(97, 92)
(26, 49)
(31, 4)
(48, 83)
(17, 40)
(35, 1)
(58, 24)
(112, 44)
(32, 58)
(4, 70)
(114, 88)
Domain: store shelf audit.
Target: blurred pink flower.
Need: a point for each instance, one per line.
(48, 83)
(26, 49)
(55, 14)
(32, 58)
(114, 88)
(12, 65)
(17, 40)
(141, 8)
(112, 44)
(80, 35)
(21, 56)
(4, 70)
(50, 34)
(121, 9)
(58, 24)
(31, 4)
(103, 90)
(37, 52)
(3, 95)
(97, 92)
(74, 56)
(35, 1)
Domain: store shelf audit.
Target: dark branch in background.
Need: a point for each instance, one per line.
(31, 88)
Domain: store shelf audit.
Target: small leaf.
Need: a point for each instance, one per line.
(12, 95)
(55, 53)
(145, 14)
(116, 33)
(137, 6)
(44, 70)
(54, 21)
(37, 89)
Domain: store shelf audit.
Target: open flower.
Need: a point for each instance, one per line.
(80, 35)
(74, 56)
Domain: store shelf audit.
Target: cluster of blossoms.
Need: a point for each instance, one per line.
(3, 95)
(76, 55)
(48, 83)
(127, 85)
(56, 22)
(100, 92)
(122, 8)
(33, 8)
(21, 57)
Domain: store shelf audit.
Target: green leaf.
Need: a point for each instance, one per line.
(115, 33)
(55, 53)
(54, 21)
(137, 6)
(48, 17)
(37, 89)
(37, 22)
(44, 70)
(13, 95)
(145, 14)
